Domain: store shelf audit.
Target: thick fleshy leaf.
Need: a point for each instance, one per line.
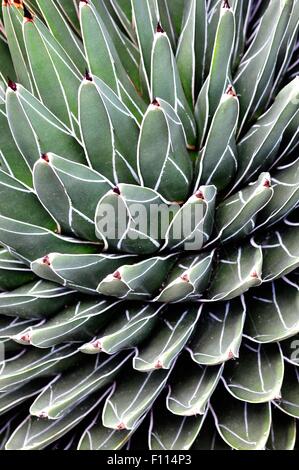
(32, 242)
(255, 74)
(56, 78)
(219, 73)
(209, 438)
(129, 400)
(137, 281)
(145, 18)
(285, 184)
(36, 434)
(283, 432)
(70, 193)
(18, 202)
(39, 299)
(238, 270)
(97, 437)
(13, 19)
(280, 249)
(170, 432)
(192, 225)
(166, 84)
(242, 425)
(236, 216)
(188, 279)
(63, 33)
(129, 213)
(163, 160)
(11, 399)
(36, 130)
(191, 386)
(257, 375)
(13, 273)
(218, 333)
(272, 311)
(104, 61)
(168, 339)
(217, 162)
(191, 48)
(289, 401)
(33, 363)
(259, 147)
(126, 330)
(76, 323)
(82, 272)
(88, 376)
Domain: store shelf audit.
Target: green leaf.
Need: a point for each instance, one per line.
(217, 161)
(169, 338)
(137, 281)
(257, 375)
(126, 330)
(32, 364)
(37, 131)
(56, 79)
(166, 84)
(163, 160)
(188, 279)
(13, 20)
(32, 242)
(39, 299)
(170, 432)
(86, 377)
(259, 147)
(36, 434)
(82, 272)
(131, 399)
(238, 270)
(283, 432)
(62, 32)
(104, 61)
(242, 425)
(129, 213)
(280, 249)
(191, 48)
(191, 386)
(13, 273)
(218, 333)
(255, 75)
(272, 311)
(289, 401)
(79, 322)
(236, 216)
(219, 73)
(70, 193)
(20, 203)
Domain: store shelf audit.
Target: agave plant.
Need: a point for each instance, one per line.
(120, 338)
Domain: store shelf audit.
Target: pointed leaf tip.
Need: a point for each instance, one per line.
(185, 277)
(267, 183)
(27, 15)
(116, 275)
(116, 190)
(199, 195)
(87, 76)
(160, 29)
(46, 260)
(226, 4)
(12, 85)
(231, 91)
(155, 102)
(45, 157)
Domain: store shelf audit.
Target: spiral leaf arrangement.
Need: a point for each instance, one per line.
(125, 338)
